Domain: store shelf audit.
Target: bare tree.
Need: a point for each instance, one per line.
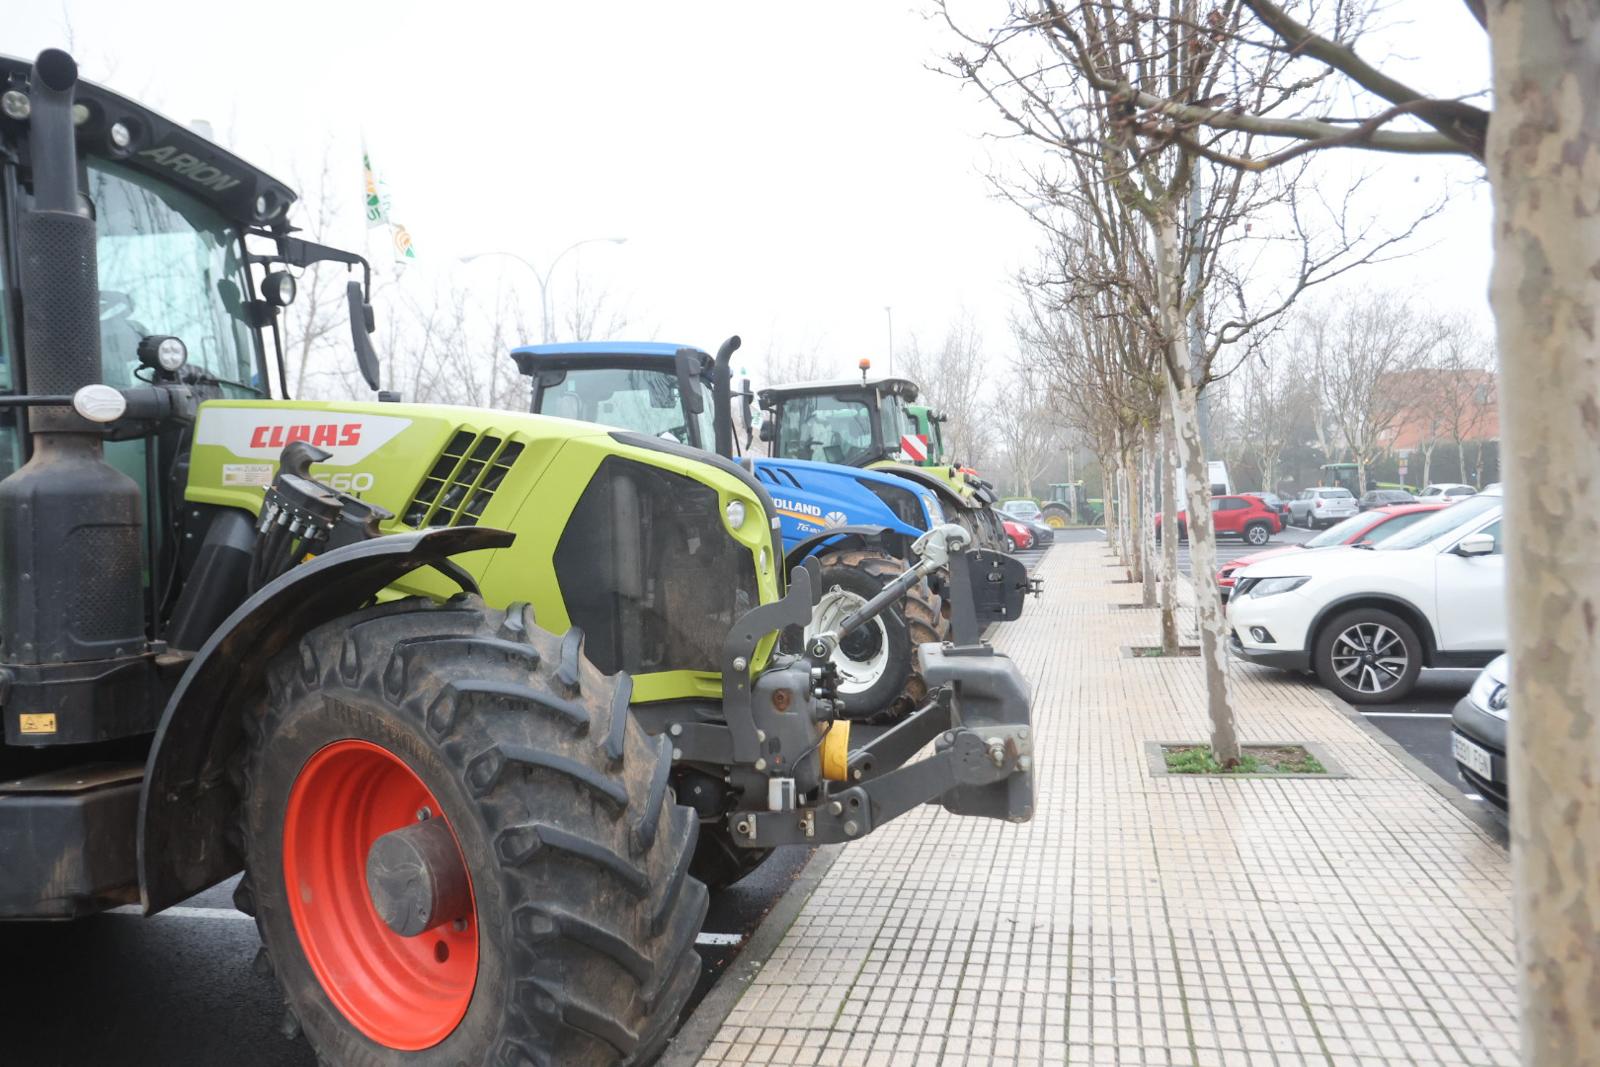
(1272, 397)
(1464, 396)
(1029, 435)
(951, 377)
(1362, 353)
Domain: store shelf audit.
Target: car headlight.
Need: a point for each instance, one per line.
(1489, 694)
(1274, 586)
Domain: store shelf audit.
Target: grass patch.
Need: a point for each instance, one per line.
(1155, 652)
(1254, 759)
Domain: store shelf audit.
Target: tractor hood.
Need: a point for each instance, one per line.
(602, 518)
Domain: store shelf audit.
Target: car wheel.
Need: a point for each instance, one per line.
(1257, 533)
(1368, 656)
(1011, 543)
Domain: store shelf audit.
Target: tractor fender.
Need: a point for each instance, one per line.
(187, 802)
(891, 541)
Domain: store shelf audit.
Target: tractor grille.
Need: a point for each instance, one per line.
(462, 480)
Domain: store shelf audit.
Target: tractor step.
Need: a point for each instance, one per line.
(68, 836)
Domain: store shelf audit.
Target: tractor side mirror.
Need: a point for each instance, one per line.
(745, 415)
(688, 366)
(1478, 544)
(361, 325)
(769, 431)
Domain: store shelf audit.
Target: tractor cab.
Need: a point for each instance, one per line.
(849, 421)
(662, 390)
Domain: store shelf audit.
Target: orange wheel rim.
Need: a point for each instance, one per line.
(406, 993)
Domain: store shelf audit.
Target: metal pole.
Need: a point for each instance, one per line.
(889, 311)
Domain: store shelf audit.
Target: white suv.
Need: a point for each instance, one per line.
(1322, 506)
(1368, 619)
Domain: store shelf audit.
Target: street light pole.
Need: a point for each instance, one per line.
(543, 278)
(889, 312)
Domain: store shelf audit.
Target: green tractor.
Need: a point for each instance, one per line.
(1067, 506)
(875, 423)
(477, 701)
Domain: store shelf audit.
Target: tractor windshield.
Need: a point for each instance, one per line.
(169, 265)
(646, 401)
(829, 429)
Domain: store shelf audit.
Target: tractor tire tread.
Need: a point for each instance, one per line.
(599, 971)
(922, 610)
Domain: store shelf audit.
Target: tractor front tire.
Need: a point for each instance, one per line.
(560, 926)
(888, 691)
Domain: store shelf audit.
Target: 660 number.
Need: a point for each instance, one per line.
(347, 481)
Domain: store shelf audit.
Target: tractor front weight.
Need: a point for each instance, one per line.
(780, 739)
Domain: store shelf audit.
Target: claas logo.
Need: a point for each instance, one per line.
(330, 434)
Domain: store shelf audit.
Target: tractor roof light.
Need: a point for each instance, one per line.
(121, 136)
(99, 403)
(736, 513)
(163, 353)
(15, 104)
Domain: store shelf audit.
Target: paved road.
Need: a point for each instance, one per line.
(178, 990)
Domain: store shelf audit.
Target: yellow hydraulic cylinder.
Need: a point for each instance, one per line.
(836, 751)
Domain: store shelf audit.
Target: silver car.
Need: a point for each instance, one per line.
(1322, 506)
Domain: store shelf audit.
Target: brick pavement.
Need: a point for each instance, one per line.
(1144, 919)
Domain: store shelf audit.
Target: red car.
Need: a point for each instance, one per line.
(1368, 526)
(1018, 536)
(1235, 516)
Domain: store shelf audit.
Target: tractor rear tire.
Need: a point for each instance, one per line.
(916, 619)
(1056, 516)
(574, 940)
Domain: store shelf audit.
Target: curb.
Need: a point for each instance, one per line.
(1476, 812)
(689, 1044)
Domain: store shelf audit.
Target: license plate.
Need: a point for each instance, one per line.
(1472, 757)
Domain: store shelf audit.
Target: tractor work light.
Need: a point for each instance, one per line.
(736, 513)
(99, 403)
(163, 353)
(14, 103)
(121, 136)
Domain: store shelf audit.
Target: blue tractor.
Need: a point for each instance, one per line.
(858, 523)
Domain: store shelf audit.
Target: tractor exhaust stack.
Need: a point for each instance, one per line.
(69, 524)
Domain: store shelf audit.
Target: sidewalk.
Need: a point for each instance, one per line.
(1143, 919)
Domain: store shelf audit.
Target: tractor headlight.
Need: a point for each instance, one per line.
(163, 353)
(736, 513)
(1274, 586)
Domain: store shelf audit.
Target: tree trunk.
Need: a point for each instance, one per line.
(1545, 292)
(1427, 469)
(1169, 519)
(1135, 514)
(1148, 471)
(1184, 398)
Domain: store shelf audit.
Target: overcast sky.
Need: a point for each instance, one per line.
(783, 171)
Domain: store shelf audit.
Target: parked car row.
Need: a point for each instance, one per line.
(1367, 615)
(1026, 514)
